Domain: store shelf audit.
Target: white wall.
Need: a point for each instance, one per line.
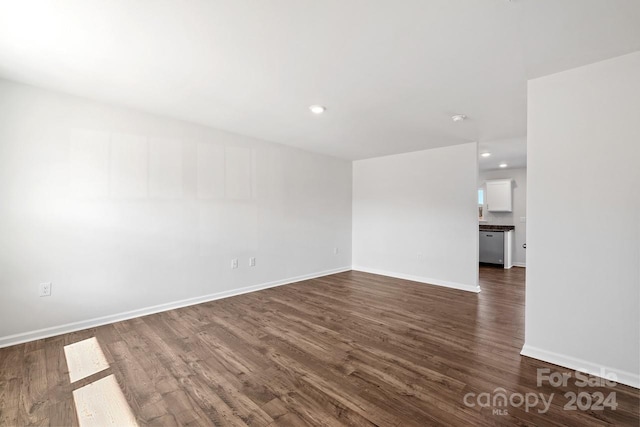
(122, 210)
(519, 177)
(415, 216)
(583, 256)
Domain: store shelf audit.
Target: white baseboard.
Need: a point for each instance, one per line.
(104, 320)
(627, 378)
(444, 283)
(519, 264)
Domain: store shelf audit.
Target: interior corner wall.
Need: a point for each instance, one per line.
(415, 216)
(128, 213)
(583, 222)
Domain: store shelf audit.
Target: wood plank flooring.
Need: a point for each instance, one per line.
(347, 349)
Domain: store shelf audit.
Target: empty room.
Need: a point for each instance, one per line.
(319, 213)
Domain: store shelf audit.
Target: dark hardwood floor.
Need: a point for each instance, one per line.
(347, 349)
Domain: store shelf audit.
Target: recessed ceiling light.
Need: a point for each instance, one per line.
(485, 154)
(503, 165)
(317, 109)
(458, 117)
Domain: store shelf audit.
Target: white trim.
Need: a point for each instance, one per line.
(104, 320)
(519, 264)
(436, 282)
(627, 378)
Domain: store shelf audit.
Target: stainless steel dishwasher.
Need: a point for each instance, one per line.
(492, 247)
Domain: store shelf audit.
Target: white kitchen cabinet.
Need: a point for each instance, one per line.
(499, 195)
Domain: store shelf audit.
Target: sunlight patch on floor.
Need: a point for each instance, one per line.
(102, 403)
(84, 358)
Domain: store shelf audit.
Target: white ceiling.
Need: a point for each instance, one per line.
(391, 73)
(512, 151)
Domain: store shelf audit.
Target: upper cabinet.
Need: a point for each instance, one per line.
(499, 195)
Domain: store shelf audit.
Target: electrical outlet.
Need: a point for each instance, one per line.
(336, 251)
(45, 289)
(234, 263)
(419, 255)
(523, 219)
(252, 262)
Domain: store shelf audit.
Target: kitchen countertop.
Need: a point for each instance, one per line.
(488, 227)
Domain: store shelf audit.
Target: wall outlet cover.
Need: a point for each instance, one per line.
(45, 289)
